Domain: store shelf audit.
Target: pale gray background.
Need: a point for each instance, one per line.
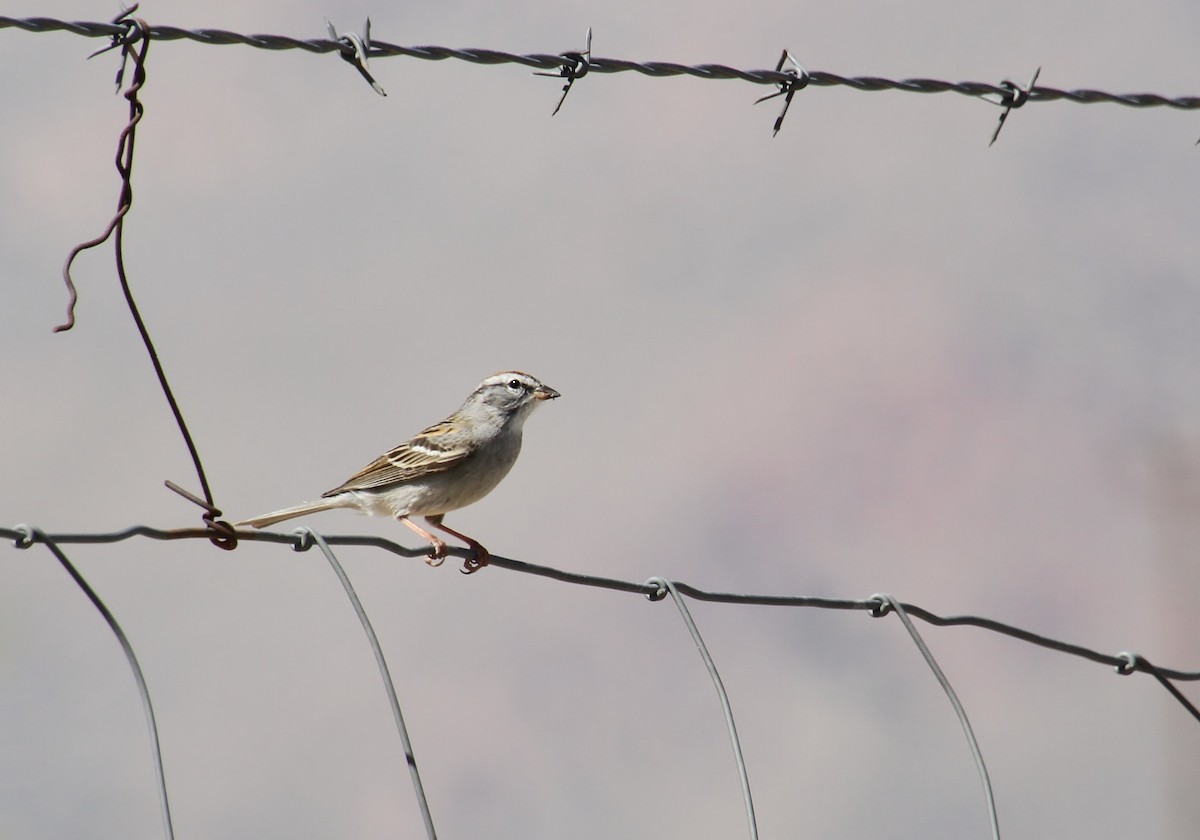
(870, 354)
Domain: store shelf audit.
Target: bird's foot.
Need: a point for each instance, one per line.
(437, 554)
(480, 559)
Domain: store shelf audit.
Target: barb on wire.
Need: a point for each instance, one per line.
(1014, 97)
(25, 536)
(663, 587)
(305, 537)
(575, 65)
(886, 604)
(129, 36)
(354, 50)
(787, 89)
(135, 31)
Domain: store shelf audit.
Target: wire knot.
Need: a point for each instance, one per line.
(135, 30)
(881, 604)
(304, 539)
(1014, 96)
(575, 65)
(797, 80)
(353, 49)
(222, 534)
(661, 589)
(1129, 664)
(28, 536)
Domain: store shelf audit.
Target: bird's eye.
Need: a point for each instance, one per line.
(515, 384)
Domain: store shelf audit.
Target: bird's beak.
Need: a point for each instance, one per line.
(545, 392)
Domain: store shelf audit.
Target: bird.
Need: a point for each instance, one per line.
(447, 466)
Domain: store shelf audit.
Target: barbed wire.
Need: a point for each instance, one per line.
(1002, 93)
(126, 32)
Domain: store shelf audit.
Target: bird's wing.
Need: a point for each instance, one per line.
(434, 450)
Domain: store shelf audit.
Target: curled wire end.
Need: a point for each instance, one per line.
(29, 535)
(1129, 663)
(224, 535)
(661, 590)
(304, 539)
(354, 50)
(137, 30)
(73, 295)
(882, 604)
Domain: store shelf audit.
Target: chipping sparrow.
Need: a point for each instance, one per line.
(448, 466)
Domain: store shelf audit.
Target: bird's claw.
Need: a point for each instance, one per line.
(473, 564)
(437, 554)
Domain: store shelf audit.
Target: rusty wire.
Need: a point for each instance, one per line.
(130, 36)
(543, 61)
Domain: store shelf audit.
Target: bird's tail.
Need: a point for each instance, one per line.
(339, 501)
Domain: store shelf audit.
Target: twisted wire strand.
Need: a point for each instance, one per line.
(135, 47)
(657, 69)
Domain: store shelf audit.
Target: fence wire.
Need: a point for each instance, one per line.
(132, 36)
(1000, 92)
(654, 589)
(384, 671)
(1123, 662)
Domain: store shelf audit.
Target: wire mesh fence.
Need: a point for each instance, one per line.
(132, 37)
(655, 589)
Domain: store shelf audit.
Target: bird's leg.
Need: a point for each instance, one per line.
(471, 564)
(438, 554)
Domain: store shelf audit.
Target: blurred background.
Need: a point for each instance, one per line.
(870, 354)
